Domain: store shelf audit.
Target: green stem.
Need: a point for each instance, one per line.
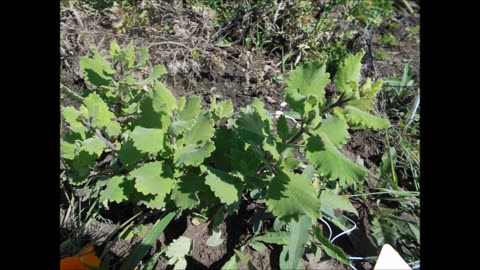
(340, 102)
(71, 93)
(99, 135)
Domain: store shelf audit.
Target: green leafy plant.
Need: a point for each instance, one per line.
(380, 55)
(368, 13)
(388, 39)
(137, 143)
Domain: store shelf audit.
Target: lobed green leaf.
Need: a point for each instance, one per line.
(331, 163)
(291, 195)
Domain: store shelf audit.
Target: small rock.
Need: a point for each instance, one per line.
(271, 100)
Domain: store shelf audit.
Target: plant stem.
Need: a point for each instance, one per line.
(71, 93)
(301, 130)
(340, 102)
(299, 133)
(125, 118)
(99, 135)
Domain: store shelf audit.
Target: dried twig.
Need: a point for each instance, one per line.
(168, 42)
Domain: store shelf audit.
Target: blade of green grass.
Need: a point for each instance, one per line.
(107, 248)
(245, 260)
(141, 249)
(298, 237)
(150, 263)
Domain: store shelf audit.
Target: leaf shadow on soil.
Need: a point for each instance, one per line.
(237, 231)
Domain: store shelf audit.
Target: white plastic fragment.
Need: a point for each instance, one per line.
(390, 259)
(283, 104)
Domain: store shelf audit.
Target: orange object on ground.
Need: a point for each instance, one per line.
(80, 260)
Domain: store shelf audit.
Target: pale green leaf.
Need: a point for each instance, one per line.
(148, 140)
(348, 71)
(331, 249)
(178, 127)
(278, 225)
(289, 161)
(113, 129)
(130, 55)
(278, 238)
(93, 146)
(232, 263)
(96, 71)
(192, 154)
(72, 117)
(331, 201)
(71, 94)
(153, 201)
(157, 71)
(67, 149)
(114, 49)
(224, 109)
(298, 238)
(309, 172)
(202, 131)
(187, 117)
(291, 195)
(118, 189)
(163, 99)
(144, 56)
(250, 126)
(185, 194)
(359, 118)
(128, 80)
(368, 93)
(226, 187)
(180, 264)
(259, 106)
(245, 260)
(283, 260)
(308, 79)
(215, 239)
(98, 113)
(153, 178)
(177, 251)
(331, 163)
(258, 246)
(336, 130)
(191, 110)
(181, 103)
